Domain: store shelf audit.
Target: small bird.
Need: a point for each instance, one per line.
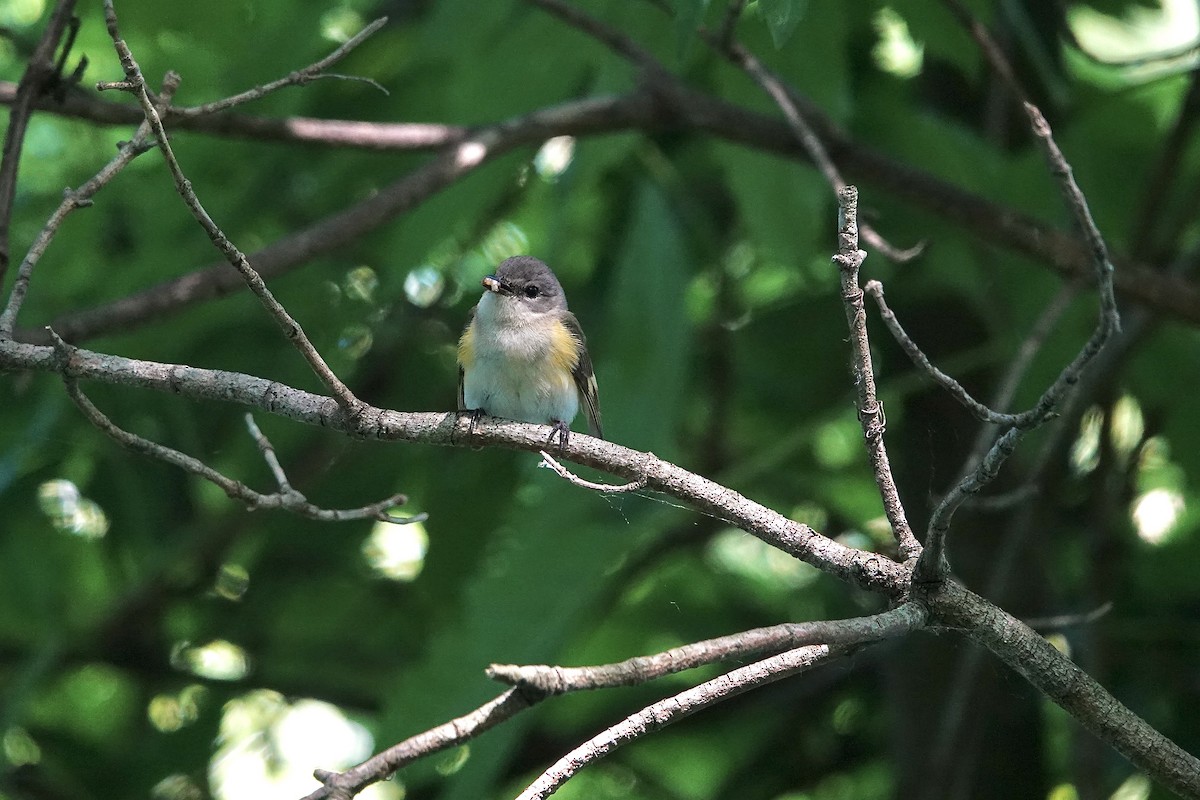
(523, 355)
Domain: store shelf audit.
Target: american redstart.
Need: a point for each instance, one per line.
(523, 355)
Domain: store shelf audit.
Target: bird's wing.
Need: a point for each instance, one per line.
(585, 379)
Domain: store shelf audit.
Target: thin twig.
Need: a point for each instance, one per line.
(607, 488)
(268, 453)
(675, 708)
(870, 411)
(1019, 366)
(78, 198)
(449, 734)
(933, 564)
(554, 680)
(918, 357)
(1043, 624)
(40, 73)
(298, 78)
(350, 404)
(774, 86)
(733, 12)
(607, 35)
(287, 498)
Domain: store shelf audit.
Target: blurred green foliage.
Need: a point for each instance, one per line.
(157, 640)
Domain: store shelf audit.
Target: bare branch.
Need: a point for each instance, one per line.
(328, 234)
(870, 411)
(287, 498)
(675, 708)
(79, 198)
(816, 150)
(553, 680)
(290, 327)
(607, 35)
(344, 785)
(918, 357)
(933, 564)
(607, 488)
(40, 73)
(298, 78)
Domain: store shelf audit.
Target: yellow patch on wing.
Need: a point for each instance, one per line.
(564, 349)
(466, 346)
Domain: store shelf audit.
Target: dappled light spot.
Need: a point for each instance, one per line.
(397, 552)
(233, 580)
(268, 746)
(361, 284)
(171, 712)
(470, 154)
(176, 787)
(455, 760)
(1138, 32)
(1155, 514)
(741, 554)
(554, 157)
(71, 512)
(356, 340)
(1085, 452)
(18, 13)
(504, 240)
(19, 748)
(219, 660)
(340, 23)
(1127, 426)
(424, 285)
(896, 52)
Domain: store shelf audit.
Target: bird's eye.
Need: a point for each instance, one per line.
(532, 292)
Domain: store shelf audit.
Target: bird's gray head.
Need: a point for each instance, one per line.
(529, 282)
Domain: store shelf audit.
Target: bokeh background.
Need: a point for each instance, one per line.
(157, 640)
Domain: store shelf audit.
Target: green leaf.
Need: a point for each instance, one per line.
(782, 17)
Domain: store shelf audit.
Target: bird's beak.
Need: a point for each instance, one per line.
(493, 284)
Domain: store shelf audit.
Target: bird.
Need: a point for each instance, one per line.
(523, 355)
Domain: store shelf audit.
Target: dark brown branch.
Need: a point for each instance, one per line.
(552, 680)
(335, 231)
(645, 110)
(40, 74)
(870, 411)
(330, 132)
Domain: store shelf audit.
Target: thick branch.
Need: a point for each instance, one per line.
(1029, 654)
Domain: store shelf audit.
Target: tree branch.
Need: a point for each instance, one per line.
(673, 709)
(40, 74)
(290, 327)
(286, 498)
(553, 680)
(870, 411)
